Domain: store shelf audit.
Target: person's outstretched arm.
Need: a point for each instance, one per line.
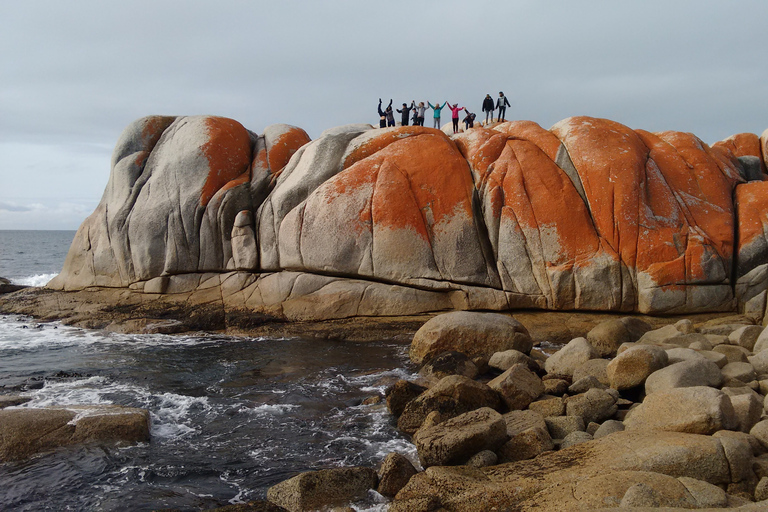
(430, 105)
(390, 104)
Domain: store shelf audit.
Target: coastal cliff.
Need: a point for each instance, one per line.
(589, 215)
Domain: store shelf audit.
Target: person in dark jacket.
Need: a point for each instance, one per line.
(383, 114)
(390, 114)
(469, 120)
(488, 107)
(502, 103)
(405, 112)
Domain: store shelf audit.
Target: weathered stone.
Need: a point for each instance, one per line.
(607, 336)
(761, 343)
(595, 405)
(739, 371)
(556, 387)
(451, 396)
(760, 363)
(483, 459)
(697, 410)
(746, 336)
(449, 363)
(560, 426)
(470, 333)
(13, 400)
(761, 491)
(518, 387)
(313, 490)
(608, 427)
(760, 432)
(565, 361)
(575, 438)
(400, 393)
(518, 421)
(594, 367)
(526, 445)
(733, 353)
(549, 407)
(394, 473)
(630, 368)
(507, 359)
(455, 440)
(684, 374)
(27, 431)
(585, 384)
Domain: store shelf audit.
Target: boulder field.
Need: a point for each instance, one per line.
(670, 418)
(589, 215)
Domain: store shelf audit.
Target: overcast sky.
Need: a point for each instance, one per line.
(74, 74)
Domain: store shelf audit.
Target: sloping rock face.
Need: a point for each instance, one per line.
(588, 215)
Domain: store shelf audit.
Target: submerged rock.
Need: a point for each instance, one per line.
(318, 489)
(27, 431)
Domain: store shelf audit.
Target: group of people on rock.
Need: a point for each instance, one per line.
(416, 113)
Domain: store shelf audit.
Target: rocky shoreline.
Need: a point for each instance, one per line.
(641, 411)
(628, 416)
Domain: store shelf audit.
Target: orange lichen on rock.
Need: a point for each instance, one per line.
(153, 129)
(532, 132)
(610, 159)
(381, 140)
(228, 151)
(743, 144)
(752, 212)
(282, 148)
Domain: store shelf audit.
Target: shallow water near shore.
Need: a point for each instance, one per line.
(230, 416)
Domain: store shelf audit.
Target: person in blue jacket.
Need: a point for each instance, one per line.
(437, 108)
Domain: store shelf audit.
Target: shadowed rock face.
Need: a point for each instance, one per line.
(589, 215)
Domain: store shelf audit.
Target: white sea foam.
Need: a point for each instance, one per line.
(272, 409)
(35, 280)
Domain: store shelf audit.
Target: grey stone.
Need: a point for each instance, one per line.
(630, 368)
(684, 374)
(446, 364)
(607, 428)
(733, 353)
(526, 445)
(761, 491)
(705, 494)
(561, 426)
(565, 361)
(746, 336)
(585, 384)
(594, 367)
(470, 333)
(394, 473)
(740, 371)
(695, 410)
(455, 440)
(575, 438)
(595, 405)
(313, 490)
(640, 495)
(507, 359)
(547, 407)
(483, 459)
(607, 336)
(517, 387)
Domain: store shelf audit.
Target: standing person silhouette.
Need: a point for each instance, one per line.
(405, 112)
(383, 114)
(454, 115)
(502, 103)
(488, 107)
(437, 108)
(390, 115)
(422, 110)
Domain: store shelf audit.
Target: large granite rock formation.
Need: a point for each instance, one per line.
(588, 215)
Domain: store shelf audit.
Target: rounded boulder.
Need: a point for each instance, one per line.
(471, 333)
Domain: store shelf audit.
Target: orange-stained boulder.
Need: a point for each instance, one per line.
(743, 144)
(403, 214)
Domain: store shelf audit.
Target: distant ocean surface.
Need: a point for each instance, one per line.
(229, 416)
(33, 258)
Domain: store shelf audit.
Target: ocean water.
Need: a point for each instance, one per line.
(229, 416)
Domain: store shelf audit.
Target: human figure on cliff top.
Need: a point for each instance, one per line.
(422, 110)
(455, 115)
(390, 115)
(488, 107)
(405, 112)
(469, 120)
(415, 117)
(383, 114)
(437, 110)
(502, 103)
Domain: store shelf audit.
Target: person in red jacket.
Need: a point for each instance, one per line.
(455, 115)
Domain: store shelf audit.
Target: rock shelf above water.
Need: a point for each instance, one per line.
(589, 215)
